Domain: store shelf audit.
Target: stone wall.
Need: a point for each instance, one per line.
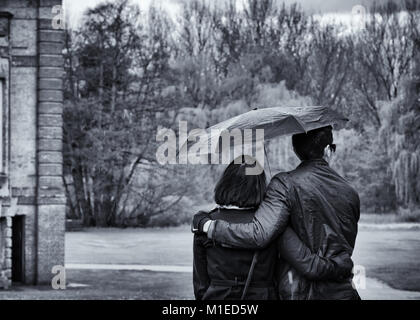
(5, 252)
(33, 185)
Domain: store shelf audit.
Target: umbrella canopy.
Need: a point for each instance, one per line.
(276, 121)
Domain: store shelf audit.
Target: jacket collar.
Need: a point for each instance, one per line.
(314, 162)
(233, 208)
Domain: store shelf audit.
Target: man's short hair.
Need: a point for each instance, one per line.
(311, 145)
(236, 188)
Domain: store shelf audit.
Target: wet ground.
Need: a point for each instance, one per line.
(156, 264)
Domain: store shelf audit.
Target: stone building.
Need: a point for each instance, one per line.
(32, 199)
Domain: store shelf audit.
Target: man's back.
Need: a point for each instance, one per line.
(324, 213)
(323, 203)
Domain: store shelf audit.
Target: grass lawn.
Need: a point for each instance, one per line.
(389, 218)
(392, 256)
(157, 246)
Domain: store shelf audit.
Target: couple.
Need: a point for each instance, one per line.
(291, 240)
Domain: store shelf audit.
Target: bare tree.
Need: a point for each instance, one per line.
(384, 52)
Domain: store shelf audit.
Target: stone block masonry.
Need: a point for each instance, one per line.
(50, 196)
(31, 184)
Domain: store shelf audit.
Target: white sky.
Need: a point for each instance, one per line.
(336, 9)
(75, 8)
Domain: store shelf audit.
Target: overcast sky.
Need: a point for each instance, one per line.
(75, 8)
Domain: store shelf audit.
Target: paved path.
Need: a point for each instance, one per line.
(128, 267)
(372, 289)
(378, 290)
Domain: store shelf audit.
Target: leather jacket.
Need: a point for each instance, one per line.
(321, 207)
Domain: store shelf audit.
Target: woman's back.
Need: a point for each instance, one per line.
(227, 268)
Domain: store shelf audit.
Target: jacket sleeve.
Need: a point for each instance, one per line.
(313, 266)
(269, 221)
(201, 280)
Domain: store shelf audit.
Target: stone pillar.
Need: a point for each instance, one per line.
(5, 218)
(50, 190)
(5, 252)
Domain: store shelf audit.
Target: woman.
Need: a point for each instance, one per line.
(220, 272)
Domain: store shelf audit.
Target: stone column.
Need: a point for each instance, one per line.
(50, 191)
(5, 218)
(5, 252)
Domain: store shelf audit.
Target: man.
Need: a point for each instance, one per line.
(320, 205)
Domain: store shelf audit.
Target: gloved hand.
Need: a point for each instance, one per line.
(198, 221)
(344, 266)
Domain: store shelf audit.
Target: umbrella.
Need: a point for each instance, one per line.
(275, 121)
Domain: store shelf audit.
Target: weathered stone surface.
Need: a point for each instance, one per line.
(50, 157)
(20, 12)
(51, 61)
(50, 120)
(8, 272)
(24, 61)
(33, 107)
(51, 36)
(8, 232)
(27, 200)
(45, 24)
(6, 5)
(50, 95)
(50, 240)
(57, 199)
(23, 132)
(23, 37)
(50, 145)
(51, 72)
(47, 83)
(50, 108)
(49, 3)
(50, 48)
(17, 192)
(50, 132)
(47, 169)
(50, 11)
(52, 182)
(50, 194)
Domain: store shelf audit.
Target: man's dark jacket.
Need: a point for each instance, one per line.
(322, 208)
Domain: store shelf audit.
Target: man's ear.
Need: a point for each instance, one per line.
(297, 154)
(327, 153)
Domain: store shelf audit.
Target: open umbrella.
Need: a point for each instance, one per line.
(276, 121)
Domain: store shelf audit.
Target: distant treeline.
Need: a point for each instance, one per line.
(130, 72)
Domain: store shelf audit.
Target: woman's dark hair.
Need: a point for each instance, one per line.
(311, 145)
(236, 188)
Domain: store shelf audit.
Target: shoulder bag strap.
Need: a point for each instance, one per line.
(250, 273)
